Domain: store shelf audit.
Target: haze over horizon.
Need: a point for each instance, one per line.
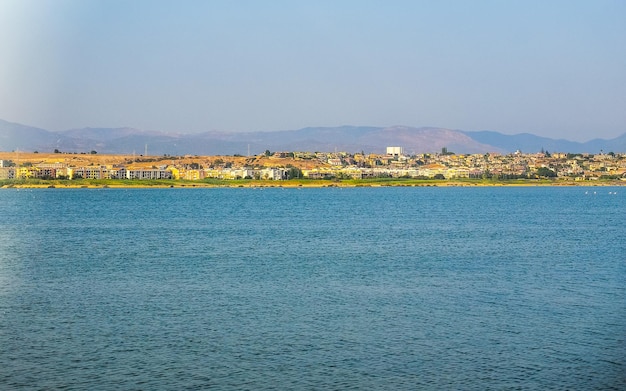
(555, 69)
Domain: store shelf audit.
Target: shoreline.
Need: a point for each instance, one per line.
(305, 184)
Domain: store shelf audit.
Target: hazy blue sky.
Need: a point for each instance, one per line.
(553, 68)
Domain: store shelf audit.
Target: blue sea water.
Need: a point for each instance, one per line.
(327, 288)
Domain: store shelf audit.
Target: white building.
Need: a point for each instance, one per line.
(395, 151)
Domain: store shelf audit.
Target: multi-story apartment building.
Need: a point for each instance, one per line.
(92, 172)
(7, 173)
(149, 173)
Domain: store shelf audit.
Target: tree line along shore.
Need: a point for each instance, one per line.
(300, 169)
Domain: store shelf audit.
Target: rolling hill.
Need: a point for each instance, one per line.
(368, 139)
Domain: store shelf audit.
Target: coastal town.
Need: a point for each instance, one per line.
(278, 166)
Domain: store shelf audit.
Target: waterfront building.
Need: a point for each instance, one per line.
(150, 173)
(92, 172)
(7, 173)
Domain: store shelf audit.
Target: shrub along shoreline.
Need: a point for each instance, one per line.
(212, 183)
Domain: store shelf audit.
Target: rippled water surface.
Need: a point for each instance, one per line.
(360, 288)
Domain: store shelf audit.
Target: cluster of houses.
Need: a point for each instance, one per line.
(394, 163)
(450, 166)
(65, 171)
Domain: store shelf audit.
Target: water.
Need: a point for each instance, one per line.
(359, 288)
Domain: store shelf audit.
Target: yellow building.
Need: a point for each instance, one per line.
(175, 172)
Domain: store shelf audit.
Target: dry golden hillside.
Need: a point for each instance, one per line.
(78, 160)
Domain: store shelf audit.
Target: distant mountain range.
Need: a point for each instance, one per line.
(368, 139)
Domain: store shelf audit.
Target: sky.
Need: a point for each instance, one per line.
(549, 67)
